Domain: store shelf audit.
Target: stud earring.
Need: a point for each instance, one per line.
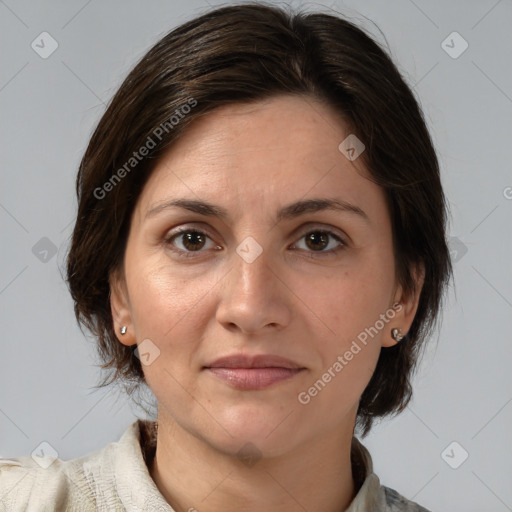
(397, 335)
(123, 329)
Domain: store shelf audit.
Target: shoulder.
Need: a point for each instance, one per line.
(44, 483)
(395, 502)
(24, 484)
(372, 495)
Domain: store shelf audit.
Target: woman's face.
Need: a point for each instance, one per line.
(250, 266)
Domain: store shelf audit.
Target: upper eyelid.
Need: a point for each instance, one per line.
(311, 226)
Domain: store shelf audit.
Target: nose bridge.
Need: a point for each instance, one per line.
(252, 275)
(252, 296)
(253, 255)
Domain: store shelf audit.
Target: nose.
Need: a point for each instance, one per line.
(254, 296)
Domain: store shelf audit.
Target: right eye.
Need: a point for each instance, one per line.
(187, 241)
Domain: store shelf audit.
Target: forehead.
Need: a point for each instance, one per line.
(261, 154)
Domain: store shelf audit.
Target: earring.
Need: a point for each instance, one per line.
(123, 329)
(396, 334)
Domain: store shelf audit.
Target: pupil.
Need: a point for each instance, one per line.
(315, 238)
(192, 239)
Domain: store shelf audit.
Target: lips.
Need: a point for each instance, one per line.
(253, 372)
(256, 361)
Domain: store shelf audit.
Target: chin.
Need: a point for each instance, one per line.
(255, 429)
(250, 447)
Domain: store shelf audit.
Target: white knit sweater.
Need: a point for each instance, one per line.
(116, 478)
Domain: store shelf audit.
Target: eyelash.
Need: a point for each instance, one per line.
(313, 254)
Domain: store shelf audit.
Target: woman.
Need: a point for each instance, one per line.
(260, 239)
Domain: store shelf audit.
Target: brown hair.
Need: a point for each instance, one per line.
(245, 53)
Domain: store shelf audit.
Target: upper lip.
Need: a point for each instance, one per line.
(253, 361)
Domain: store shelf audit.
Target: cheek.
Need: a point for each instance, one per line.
(349, 301)
(350, 306)
(161, 296)
(349, 352)
(170, 309)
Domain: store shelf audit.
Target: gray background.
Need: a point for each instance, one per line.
(49, 107)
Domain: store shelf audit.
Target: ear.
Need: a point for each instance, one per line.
(405, 305)
(120, 308)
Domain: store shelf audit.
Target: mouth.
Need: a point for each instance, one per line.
(253, 372)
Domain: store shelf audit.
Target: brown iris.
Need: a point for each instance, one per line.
(317, 240)
(193, 240)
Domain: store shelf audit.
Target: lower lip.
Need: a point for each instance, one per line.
(253, 378)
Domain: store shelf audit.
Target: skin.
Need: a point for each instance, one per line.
(305, 302)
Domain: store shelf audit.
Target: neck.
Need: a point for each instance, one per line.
(194, 476)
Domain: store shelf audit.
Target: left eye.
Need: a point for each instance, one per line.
(319, 241)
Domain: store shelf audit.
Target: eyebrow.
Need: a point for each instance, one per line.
(287, 212)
